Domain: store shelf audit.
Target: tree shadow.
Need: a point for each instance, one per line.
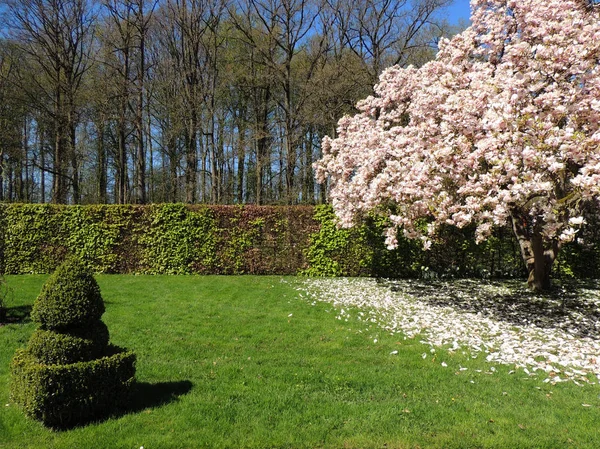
(16, 315)
(573, 307)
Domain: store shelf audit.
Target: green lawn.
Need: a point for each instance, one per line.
(243, 362)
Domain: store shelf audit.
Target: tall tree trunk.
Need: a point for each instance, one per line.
(308, 191)
(140, 172)
(172, 152)
(140, 160)
(59, 185)
(151, 180)
(241, 160)
(538, 252)
(122, 162)
(191, 159)
(41, 143)
(102, 166)
(262, 128)
(25, 160)
(73, 154)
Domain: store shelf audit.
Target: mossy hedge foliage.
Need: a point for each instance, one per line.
(69, 373)
(185, 239)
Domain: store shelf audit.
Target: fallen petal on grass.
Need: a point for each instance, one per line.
(504, 321)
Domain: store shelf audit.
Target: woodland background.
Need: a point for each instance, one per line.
(195, 101)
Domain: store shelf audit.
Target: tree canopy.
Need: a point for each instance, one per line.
(220, 101)
(502, 127)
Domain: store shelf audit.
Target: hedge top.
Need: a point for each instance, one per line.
(70, 298)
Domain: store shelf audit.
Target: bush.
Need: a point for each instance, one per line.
(78, 345)
(69, 373)
(70, 298)
(65, 395)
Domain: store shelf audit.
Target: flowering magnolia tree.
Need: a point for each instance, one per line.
(502, 127)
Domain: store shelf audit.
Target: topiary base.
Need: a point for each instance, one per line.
(66, 395)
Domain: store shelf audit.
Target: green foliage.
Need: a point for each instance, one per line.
(239, 234)
(335, 251)
(31, 241)
(359, 251)
(186, 239)
(64, 395)
(94, 234)
(70, 298)
(455, 254)
(61, 348)
(581, 258)
(177, 240)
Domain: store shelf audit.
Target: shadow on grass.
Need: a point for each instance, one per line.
(144, 396)
(573, 307)
(16, 315)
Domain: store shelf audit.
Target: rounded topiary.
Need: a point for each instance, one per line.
(69, 373)
(78, 345)
(70, 298)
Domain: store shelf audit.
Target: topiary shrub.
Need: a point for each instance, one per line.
(70, 298)
(77, 345)
(69, 373)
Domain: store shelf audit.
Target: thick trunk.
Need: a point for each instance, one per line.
(538, 252)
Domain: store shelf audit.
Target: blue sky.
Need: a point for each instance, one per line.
(458, 10)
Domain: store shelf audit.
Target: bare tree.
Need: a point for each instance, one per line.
(386, 32)
(57, 35)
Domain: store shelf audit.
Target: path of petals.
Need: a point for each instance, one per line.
(555, 350)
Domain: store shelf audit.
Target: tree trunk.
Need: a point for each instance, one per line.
(191, 155)
(140, 172)
(102, 166)
(241, 157)
(59, 188)
(122, 163)
(42, 141)
(73, 154)
(538, 252)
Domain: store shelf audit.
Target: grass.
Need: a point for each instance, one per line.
(243, 362)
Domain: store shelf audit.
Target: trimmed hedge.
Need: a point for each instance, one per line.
(63, 395)
(283, 240)
(156, 239)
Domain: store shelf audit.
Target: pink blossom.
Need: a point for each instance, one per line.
(508, 111)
